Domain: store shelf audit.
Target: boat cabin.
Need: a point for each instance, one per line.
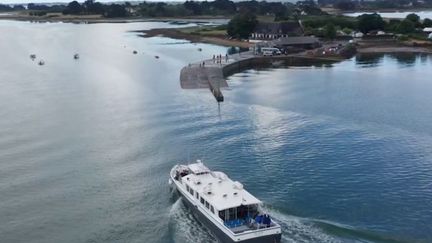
(222, 199)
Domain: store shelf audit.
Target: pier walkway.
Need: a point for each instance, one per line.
(211, 74)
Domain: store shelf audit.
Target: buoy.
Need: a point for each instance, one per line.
(157, 57)
(135, 52)
(33, 56)
(76, 56)
(41, 62)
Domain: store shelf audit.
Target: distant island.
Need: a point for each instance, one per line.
(253, 21)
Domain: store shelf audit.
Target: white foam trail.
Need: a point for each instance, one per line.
(186, 228)
(296, 229)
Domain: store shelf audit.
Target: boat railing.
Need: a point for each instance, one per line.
(248, 223)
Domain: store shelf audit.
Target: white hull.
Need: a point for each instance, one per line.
(222, 232)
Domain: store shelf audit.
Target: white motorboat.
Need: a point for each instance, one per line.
(223, 205)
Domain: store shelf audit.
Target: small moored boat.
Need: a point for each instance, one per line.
(76, 56)
(223, 205)
(41, 63)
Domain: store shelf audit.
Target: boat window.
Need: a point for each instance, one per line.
(191, 191)
(212, 209)
(232, 213)
(197, 195)
(252, 210)
(222, 214)
(187, 187)
(202, 200)
(207, 204)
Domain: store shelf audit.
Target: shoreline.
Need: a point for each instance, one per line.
(365, 47)
(394, 50)
(94, 19)
(388, 10)
(222, 40)
(175, 33)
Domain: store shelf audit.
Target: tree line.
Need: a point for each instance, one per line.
(279, 10)
(352, 5)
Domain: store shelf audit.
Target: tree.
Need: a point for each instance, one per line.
(242, 25)
(368, 22)
(347, 31)
(116, 11)
(393, 25)
(226, 6)
(413, 18)
(406, 26)
(309, 7)
(93, 7)
(73, 8)
(427, 22)
(195, 7)
(4, 7)
(330, 31)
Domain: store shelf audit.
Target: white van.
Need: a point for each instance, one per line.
(270, 51)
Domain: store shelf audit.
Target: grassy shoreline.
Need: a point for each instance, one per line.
(216, 38)
(208, 35)
(57, 17)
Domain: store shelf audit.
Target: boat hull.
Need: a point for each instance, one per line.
(222, 237)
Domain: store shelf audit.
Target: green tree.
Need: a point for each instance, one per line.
(73, 8)
(242, 25)
(330, 31)
(116, 11)
(347, 31)
(368, 22)
(427, 22)
(406, 26)
(413, 18)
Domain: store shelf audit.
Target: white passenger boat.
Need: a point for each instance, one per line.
(223, 205)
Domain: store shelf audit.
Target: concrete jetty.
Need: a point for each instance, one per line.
(211, 74)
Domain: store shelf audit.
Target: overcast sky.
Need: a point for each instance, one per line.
(66, 1)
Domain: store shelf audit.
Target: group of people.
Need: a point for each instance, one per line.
(263, 219)
(218, 58)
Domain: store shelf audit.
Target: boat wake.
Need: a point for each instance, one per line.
(185, 228)
(296, 229)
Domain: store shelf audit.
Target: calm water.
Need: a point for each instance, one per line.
(398, 15)
(341, 153)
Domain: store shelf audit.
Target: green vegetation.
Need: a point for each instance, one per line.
(242, 25)
(353, 5)
(220, 30)
(92, 7)
(427, 22)
(406, 27)
(278, 11)
(246, 14)
(369, 22)
(330, 31)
